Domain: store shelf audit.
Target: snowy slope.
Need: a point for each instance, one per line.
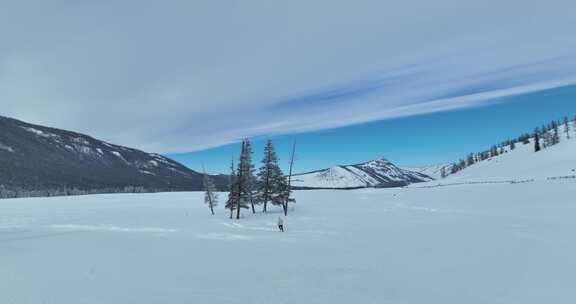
(433, 171)
(472, 244)
(522, 163)
(376, 173)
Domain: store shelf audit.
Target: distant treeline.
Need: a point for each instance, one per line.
(17, 192)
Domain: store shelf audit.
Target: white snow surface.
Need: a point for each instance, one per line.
(6, 148)
(488, 243)
(119, 155)
(39, 132)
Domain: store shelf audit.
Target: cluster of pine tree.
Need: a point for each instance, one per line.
(543, 137)
(248, 189)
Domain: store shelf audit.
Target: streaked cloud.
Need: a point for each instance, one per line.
(185, 75)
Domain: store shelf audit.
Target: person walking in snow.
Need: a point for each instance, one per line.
(280, 224)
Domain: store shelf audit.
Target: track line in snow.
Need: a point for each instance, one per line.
(223, 237)
(425, 209)
(272, 224)
(255, 228)
(11, 223)
(34, 236)
(108, 228)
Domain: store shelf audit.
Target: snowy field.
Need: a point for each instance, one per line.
(500, 243)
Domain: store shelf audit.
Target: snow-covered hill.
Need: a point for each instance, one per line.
(523, 163)
(433, 171)
(376, 173)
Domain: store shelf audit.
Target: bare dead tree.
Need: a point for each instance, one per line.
(289, 189)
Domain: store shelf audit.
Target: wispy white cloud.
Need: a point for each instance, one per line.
(187, 75)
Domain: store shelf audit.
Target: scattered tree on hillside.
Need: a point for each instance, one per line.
(454, 169)
(544, 137)
(537, 140)
(525, 139)
(494, 151)
(566, 127)
(443, 172)
(555, 134)
(470, 159)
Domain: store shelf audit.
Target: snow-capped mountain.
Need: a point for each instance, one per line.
(37, 158)
(376, 173)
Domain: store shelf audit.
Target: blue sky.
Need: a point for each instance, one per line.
(183, 76)
(416, 140)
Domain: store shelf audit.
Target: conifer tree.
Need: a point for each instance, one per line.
(470, 160)
(210, 195)
(493, 151)
(525, 139)
(242, 185)
(249, 179)
(555, 137)
(233, 191)
(537, 140)
(271, 180)
(567, 127)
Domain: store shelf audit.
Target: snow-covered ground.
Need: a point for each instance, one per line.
(499, 243)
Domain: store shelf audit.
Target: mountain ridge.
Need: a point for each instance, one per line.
(374, 173)
(43, 161)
